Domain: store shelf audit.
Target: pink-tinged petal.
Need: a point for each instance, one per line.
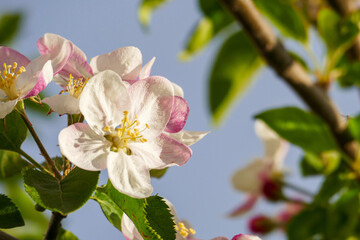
(39, 73)
(220, 238)
(246, 206)
(128, 229)
(149, 152)
(173, 152)
(129, 174)
(7, 107)
(125, 61)
(245, 237)
(9, 56)
(67, 57)
(62, 104)
(104, 99)
(146, 70)
(61, 81)
(188, 137)
(179, 115)
(178, 91)
(152, 100)
(252, 173)
(83, 147)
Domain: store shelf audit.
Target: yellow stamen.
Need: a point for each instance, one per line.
(75, 86)
(183, 230)
(8, 79)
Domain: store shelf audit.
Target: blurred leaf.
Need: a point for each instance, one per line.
(112, 211)
(232, 72)
(283, 15)
(210, 7)
(10, 216)
(37, 108)
(158, 173)
(331, 185)
(301, 128)
(9, 26)
(11, 164)
(350, 74)
(66, 235)
(311, 165)
(146, 9)
(63, 196)
(207, 28)
(151, 215)
(354, 127)
(13, 132)
(307, 224)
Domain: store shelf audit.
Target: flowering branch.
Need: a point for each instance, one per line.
(54, 226)
(290, 70)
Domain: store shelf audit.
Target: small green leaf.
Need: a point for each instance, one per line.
(301, 128)
(354, 127)
(9, 27)
(10, 216)
(350, 73)
(331, 185)
(11, 164)
(324, 163)
(66, 235)
(158, 173)
(151, 215)
(112, 211)
(232, 72)
(284, 16)
(146, 8)
(13, 132)
(63, 196)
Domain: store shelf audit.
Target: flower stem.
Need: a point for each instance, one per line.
(297, 189)
(31, 160)
(43, 151)
(5, 236)
(54, 226)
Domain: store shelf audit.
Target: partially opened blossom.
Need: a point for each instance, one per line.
(21, 78)
(259, 175)
(245, 237)
(124, 132)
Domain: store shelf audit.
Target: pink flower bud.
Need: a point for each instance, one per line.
(261, 224)
(245, 237)
(272, 190)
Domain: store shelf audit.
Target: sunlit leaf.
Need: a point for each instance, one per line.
(231, 74)
(9, 27)
(10, 216)
(63, 196)
(146, 8)
(301, 128)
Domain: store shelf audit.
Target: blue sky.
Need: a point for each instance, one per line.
(201, 190)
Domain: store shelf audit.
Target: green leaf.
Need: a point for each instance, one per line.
(10, 216)
(151, 215)
(307, 224)
(112, 211)
(301, 128)
(354, 127)
(11, 164)
(63, 196)
(325, 163)
(146, 9)
(331, 185)
(9, 27)
(232, 72)
(13, 132)
(284, 16)
(158, 173)
(37, 108)
(66, 235)
(350, 74)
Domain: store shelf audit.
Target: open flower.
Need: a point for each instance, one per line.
(124, 131)
(257, 177)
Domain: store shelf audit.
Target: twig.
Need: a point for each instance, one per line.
(54, 226)
(273, 51)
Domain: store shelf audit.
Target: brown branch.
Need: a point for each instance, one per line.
(54, 226)
(5, 236)
(273, 51)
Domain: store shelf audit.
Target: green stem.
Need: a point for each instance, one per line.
(43, 151)
(31, 160)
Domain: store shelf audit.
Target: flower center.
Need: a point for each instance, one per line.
(8, 80)
(126, 132)
(183, 230)
(75, 86)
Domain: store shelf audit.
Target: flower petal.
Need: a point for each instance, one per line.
(245, 237)
(146, 70)
(188, 137)
(83, 147)
(152, 100)
(66, 57)
(179, 115)
(245, 206)
(9, 56)
(178, 91)
(250, 174)
(62, 104)
(173, 152)
(104, 99)
(7, 107)
(39, 73)
(129, 174)
(125, 61)
(128, 229)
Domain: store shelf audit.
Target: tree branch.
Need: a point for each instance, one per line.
(273, 51)
(54, 226)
